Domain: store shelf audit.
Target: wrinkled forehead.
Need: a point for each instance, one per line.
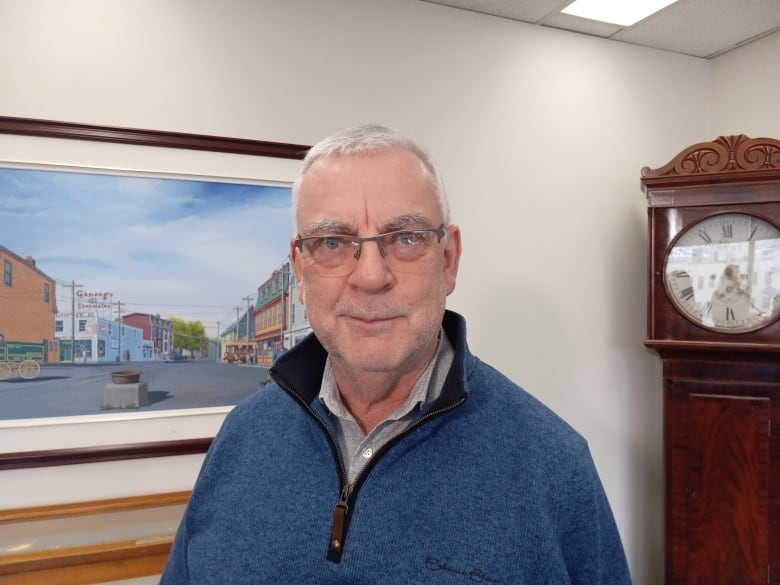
(369, 188)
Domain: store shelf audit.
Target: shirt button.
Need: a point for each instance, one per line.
(368, 452)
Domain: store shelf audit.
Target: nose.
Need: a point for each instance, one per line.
(371, 271)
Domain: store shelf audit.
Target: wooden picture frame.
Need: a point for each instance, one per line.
(235, 157)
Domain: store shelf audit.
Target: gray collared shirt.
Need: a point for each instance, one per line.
(358, 448)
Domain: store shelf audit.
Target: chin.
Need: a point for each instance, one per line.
(371, 362)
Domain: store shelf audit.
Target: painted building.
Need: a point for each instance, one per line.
(213, 350)
(27, 303)
(238, 339)
(278, 321)
(271, 314)
(157, 331)
(96, 339)
(242, 329)
(298, 325)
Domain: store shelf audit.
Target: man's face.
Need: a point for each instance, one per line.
(375, 319)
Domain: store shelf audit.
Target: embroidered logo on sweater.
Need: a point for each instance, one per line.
(473, 575)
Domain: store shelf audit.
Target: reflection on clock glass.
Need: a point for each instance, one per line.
(724, 272)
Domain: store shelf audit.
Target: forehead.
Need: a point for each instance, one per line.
(368, 188)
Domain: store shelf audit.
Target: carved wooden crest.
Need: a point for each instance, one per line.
(723, 156)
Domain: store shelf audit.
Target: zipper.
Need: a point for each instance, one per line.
(347, 494)
(341, 509)
(338, 530)
(348, 491)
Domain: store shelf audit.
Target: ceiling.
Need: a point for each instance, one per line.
(701, 28)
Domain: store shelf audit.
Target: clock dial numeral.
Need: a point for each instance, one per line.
(705, 236)
(687, 294)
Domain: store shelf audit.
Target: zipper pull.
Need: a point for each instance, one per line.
(339, 521)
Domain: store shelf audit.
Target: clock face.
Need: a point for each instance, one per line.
(723, 273)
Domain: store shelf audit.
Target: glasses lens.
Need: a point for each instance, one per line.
(407, 248)
(404, 251)
(331, 254)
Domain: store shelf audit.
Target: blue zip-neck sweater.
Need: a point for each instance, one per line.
(489, 486)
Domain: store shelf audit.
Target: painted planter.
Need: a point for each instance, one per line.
(126, 376)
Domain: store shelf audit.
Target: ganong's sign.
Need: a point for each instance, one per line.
(93, 300)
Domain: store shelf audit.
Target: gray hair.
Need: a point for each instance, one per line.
(363, 139)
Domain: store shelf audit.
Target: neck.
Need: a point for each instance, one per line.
(372, 396)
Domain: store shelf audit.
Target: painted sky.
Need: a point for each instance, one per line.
(182, 248)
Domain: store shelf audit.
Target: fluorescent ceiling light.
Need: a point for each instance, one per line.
(622, 12)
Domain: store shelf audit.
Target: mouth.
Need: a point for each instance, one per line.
(369, 318)
(372, 321)
(370, 315)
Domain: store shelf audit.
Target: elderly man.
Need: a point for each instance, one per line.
(384, 451)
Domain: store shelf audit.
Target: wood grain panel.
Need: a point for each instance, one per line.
(87, 563)
(728, 490)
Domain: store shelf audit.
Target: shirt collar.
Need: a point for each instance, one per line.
(427, 388)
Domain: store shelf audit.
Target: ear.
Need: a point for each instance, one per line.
(452, 250)
(295, 260)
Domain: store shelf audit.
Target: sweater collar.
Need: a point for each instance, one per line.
(300, 369)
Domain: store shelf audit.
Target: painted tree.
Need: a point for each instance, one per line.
(188, 335)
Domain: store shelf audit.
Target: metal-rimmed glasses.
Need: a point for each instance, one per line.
(337, 254)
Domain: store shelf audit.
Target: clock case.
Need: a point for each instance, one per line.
(732, 174)
(721, 390)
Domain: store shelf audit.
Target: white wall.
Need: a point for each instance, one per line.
(745, 90)
(540, 134)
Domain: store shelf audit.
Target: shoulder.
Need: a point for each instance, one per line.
(263, 438)
(522, 420)
(520, 439)
(502, 407)
(256, 420)
(268, 399)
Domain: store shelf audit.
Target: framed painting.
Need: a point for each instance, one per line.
(170, 226)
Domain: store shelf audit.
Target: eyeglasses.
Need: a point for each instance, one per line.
(403, 250)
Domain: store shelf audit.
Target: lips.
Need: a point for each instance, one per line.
(370, 319)
(371, 314)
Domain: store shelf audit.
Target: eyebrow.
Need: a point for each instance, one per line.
(335, 227)
(410, 221)
(326, 226)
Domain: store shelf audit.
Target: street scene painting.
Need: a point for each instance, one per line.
(136, 292)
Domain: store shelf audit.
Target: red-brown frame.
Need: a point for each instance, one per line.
(156, 138)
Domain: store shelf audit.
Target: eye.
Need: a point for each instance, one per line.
(330, 242)
(406, 238)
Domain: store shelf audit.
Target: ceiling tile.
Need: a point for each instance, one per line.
(701, 28)
(582, 25)
(526, 11)
(704, 28)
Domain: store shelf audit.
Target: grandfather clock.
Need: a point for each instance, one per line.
(713, 308)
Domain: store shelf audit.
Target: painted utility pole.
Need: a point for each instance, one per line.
(72, 286)
(119, 334)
